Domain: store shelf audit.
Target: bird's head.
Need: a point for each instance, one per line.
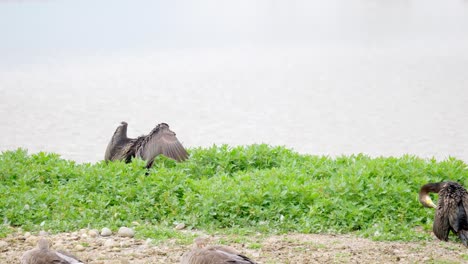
(427, 201)
(43, 244)
(201, 242)
(424, 197)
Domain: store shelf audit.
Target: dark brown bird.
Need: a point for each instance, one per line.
(451, 210)
(161, 140)
(202, 254)
(43, 255)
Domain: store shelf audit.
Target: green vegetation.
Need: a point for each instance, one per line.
(255, 188)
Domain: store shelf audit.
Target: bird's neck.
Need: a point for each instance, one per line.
(432, 187)
(424, 197)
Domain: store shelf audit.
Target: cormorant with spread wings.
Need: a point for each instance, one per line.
(161, 140)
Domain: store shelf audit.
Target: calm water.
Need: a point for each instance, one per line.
(383, 78)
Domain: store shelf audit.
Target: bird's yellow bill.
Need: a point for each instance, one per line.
(429, 202)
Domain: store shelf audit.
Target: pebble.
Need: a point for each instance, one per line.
(106, 232)
(117, 261)
(27, 234)
(32, 240)
(109, 243)
(255, 254)
(43, 233)
(126, 232)
(125, 243)
(3, 246)
(180, 226)
(59, 245)
(93, 233)
(79, 248)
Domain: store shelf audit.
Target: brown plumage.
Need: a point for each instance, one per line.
(43, 255)
(451, 210)
(161, 140)
(202, 254)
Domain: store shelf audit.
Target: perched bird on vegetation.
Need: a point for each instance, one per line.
(451, 211)
(202, 254)
(161, 140)
(43, 255)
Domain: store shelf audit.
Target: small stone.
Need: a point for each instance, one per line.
(93, 233)
(3, 246)
(27, 234)
(59, 245)
(43, 233)
(125, 243)
(84, 235)
(109, 243)
(116, 249)
(180, 226)
(79, 247)
(135, 223)
(32, 240)
(83, 231)
(106, 232)
(149, 241)
(126, 232)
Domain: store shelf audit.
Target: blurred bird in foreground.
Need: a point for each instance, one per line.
(43, 255)
(202, 254)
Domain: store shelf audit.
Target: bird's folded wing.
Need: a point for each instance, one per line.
(40, 256)
(221, 254)
(465, 207)
(441, 226)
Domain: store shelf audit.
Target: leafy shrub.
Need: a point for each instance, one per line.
(256, 187)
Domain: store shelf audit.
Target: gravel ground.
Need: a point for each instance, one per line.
(90, 247)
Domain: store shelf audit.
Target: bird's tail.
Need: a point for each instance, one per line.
(463, 235)
(69, 258)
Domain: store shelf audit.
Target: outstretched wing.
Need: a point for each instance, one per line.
(119, 144)
(161, 141)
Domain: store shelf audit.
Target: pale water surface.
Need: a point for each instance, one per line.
(333, 77)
